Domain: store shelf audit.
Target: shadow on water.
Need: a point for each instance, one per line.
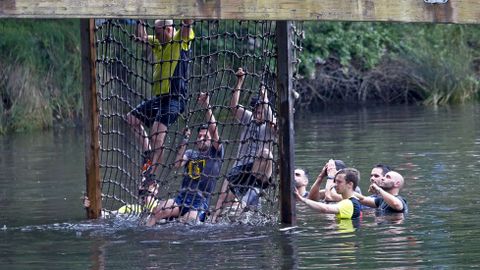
(436, 149)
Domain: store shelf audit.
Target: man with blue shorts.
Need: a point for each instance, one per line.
(171, 51)
(201, 170)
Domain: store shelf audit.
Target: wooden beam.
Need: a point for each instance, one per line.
(285, 119)
(90, 116)
(454, 11)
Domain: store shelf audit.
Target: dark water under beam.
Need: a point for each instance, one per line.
(42, 224)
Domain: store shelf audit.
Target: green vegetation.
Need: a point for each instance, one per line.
(40, 79)
(40, 82)
(432, 64)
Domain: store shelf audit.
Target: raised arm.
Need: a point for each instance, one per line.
(236, 109)
(204, 101)
(267, 108)
(318, 206)
(141, 31)
(186, 28)
(390, 199)
(368, 201)
(314, 193)
(181, 158)
(330, 192)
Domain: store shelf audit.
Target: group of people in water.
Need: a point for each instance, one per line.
(253, 167)
(342, 196)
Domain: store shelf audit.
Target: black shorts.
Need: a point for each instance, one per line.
(241, 179)
(163, 109)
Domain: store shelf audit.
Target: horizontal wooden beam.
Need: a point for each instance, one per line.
(453, 11)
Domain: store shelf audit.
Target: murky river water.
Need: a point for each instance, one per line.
(42, 224)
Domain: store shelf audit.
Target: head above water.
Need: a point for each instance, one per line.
(351, 176)
(339, 164)
(149, 187)
(385, 168)
(164, 30)
(392, 180)
(204, 140)
(378, 172)
(301, 177)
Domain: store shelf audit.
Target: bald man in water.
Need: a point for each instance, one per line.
(388, 189)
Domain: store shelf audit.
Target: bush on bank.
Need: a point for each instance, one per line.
(40, 82)
(389, 63)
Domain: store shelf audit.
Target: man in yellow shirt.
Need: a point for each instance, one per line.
(345, 180)
(171, 51)
(147, 200)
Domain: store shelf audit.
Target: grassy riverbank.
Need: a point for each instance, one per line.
(41, 77)
(40, 82)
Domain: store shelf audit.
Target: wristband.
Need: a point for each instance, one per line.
(330, 177)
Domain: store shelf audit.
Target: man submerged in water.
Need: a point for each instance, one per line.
(147, 200)
(388, 199)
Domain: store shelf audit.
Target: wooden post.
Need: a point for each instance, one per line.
(453, 11)
(287, 141)
(90, 115)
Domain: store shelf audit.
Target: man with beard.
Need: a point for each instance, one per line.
(387, 189)
(301, 181)
(201, 170)
(376, 175)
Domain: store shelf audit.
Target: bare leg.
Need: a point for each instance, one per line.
(159, 132)
(139, 131)
(225, 197)
(190, 216)
(165, 209)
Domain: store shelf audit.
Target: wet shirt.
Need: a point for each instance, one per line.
(383, 206)
(349, 208)
(201, 171)
(136, 209)
(252, 138)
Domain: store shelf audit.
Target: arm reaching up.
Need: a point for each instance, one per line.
(181, 159)
(204, 101)
(236, 109)
(314, 193)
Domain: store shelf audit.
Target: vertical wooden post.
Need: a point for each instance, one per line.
(287, 141)
(90, 118)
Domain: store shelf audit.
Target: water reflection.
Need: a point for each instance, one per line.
(436, 149)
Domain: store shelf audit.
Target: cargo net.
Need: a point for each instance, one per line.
(188, 127)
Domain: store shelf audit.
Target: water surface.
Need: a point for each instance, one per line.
(436, 149)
